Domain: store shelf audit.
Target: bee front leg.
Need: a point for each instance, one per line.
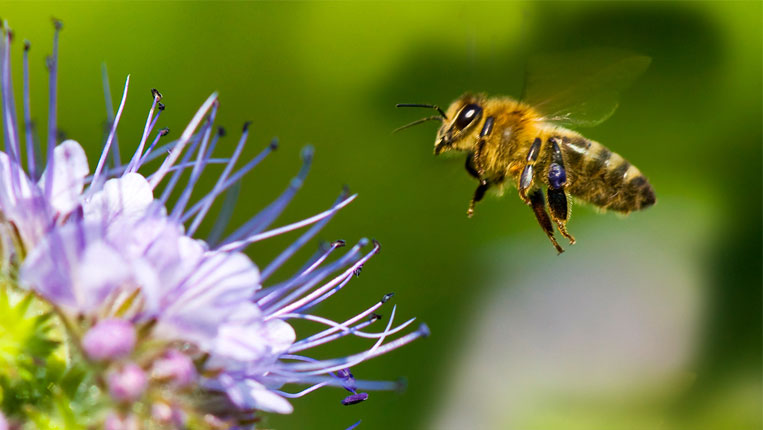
(526, 178)
(539, 208)
(479, 193)
(557, 197)
(475, 168)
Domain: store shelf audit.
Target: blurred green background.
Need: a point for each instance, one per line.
(650, 321)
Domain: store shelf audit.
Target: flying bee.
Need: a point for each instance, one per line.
(526, 144)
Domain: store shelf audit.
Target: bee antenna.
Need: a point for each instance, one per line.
(418, 121)
(442, 114)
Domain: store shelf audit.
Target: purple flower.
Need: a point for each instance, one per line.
(110, 248)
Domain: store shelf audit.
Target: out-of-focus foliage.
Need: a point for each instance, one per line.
(330, 73)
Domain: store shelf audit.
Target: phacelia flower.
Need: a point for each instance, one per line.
(171, 319)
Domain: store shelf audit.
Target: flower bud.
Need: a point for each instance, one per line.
(176, 367)
(109, 339)
(127, 383)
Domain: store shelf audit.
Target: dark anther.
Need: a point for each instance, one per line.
(375, 317)
(165, 131)
(57, 23)
(357, 271)
(355, 398)
(156, 94)
(424, 330)
(468, 114)
(27, 45)
(339, 243)
(386, 297)
(273, 143)
(49, 62)
(377, 245)
(160, 106)
(220, 131)
(307, 154)
(246, 127)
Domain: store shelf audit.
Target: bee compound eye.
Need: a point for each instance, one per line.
(468, 114)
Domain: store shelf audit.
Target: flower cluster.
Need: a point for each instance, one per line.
(169, 330)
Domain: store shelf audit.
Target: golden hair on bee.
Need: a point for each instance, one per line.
(512, 141)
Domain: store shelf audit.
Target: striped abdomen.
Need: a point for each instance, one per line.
(604, 178)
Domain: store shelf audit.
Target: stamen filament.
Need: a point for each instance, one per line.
(107, 147)
(184, 138)
(240, 244)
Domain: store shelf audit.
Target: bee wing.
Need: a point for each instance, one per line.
(580, 87)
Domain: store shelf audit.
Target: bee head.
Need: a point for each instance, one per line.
(461, 131)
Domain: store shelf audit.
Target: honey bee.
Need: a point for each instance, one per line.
(526, 144)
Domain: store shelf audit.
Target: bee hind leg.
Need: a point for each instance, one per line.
(557, 197)
(538, 204)
(557, 203)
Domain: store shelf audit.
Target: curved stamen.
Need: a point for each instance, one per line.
(303, 284)
(109, 140)
(184, 138)
(262, 220)
(266, 294)
(190, 164)
(133, 165)
(322, 255)
(31, 154)
(9, 105)
(358, 317)
(115, 157)
(228, 168)
(240, 244)
(186, 158)
(301, 241)
(52, 107)
(330, 288)
(355, 331)
(210, 198)
(303, 392)
(325, 366)
(198, 166)
(161, 133)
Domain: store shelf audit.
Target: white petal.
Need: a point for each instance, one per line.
(127, 197)
(101, 271)
(46, 268)
(249, 394)
(69, 171)
(224, 279)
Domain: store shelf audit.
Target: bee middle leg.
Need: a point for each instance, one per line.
(557, 196)
(526, 178)
(538, 204)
